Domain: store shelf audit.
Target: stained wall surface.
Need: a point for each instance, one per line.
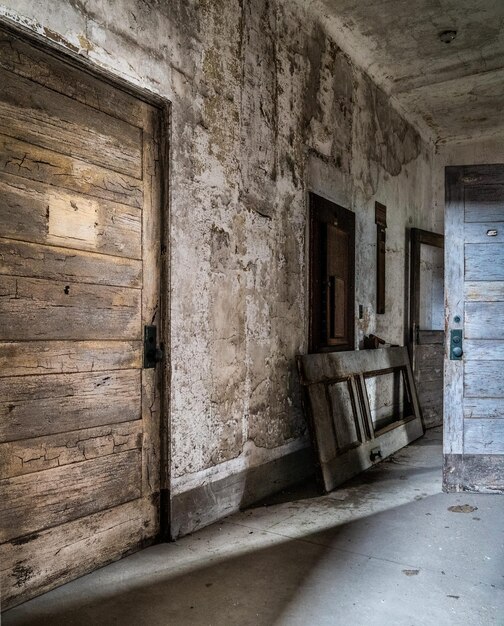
(265, 107)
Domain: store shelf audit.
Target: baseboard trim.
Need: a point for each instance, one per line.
(211, 502)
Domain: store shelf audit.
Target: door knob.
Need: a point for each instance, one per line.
(456, 351)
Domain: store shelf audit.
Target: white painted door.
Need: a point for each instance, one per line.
(474, 294)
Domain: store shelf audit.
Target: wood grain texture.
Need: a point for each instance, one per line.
(484, 350)
(32, 260)
(484, 203)
(32, 308)
(484, 261)
(484, 436)
(484, 379)
(34, 502)
(67, 357)
(484, 291)
(58, 74)
(31, 113)
(341, 422)
(453, 430)
(43, 560)
(483, 407)
(484, 320)
(47, 166)
(41, 213)
(427, 337)
(80, 179)
(151, 303)
(41, 453)
(478, 232)
(35, 406)
(476, 473)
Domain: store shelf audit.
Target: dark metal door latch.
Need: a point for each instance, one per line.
(152, 353)
(375, 454)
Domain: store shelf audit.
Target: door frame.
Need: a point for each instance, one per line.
(163, 107)
(418, 237)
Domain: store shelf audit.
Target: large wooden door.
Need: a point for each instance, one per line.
(474, 351)
(79, 279)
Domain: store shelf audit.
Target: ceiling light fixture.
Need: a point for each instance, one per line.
(447, 36)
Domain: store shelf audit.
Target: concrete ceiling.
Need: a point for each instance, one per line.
(451, 91)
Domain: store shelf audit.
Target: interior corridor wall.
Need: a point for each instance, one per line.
(265, 107)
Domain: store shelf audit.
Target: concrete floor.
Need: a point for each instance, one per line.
(384, 549)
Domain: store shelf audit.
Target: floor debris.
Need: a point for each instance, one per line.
(462, 508)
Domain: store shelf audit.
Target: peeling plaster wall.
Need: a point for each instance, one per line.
(265, 107)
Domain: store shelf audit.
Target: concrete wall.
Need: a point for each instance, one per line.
(265, 108)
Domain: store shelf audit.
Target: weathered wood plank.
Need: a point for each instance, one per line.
(44, 560)
(25, 358)
(323, 423)
(484, 320)
(476, 473)
(345, 421)
(58, 74)
(37, 115)
(32, 260)
(428, 337)
(484, 203)
(484, 291)
(484, 261)
(453, 430)
(32, 308)
(484, 379)
(152, 457)
(42, 453)
(483, 407)
(46, 166)
(488, 232)
(484, 436)
(41, 213)
(484, 350)
(34, 502)
(339, 365)
(35, 406)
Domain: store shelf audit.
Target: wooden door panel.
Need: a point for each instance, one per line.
(61, 357)
(52, 120)
(480, 262)
(41, 453)
(478, 233)
(49, 70)
(42, 213)
(482, 290)
(345, 420)
(484, 350)
(484, 203)
(51, 497)
(484, 436)
(474, 391)
(80, 188)
(483, 407)
(338, 408)
(32, 260)
(46, 166)
(484, 320)
(484, 379)
(96, 311)
(40, 561)
(54, 403)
